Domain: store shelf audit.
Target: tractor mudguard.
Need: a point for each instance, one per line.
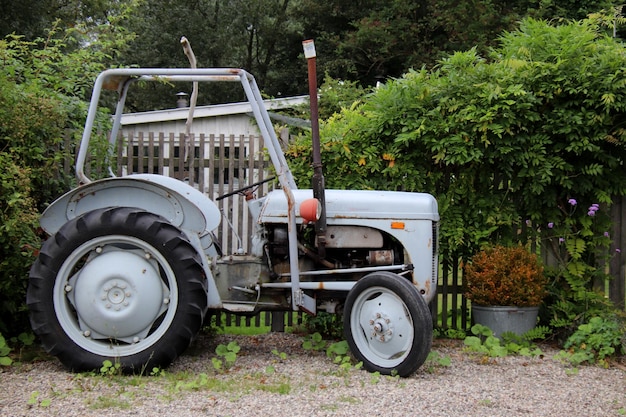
(181, 204)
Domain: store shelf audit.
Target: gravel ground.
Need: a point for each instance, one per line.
(307, 383)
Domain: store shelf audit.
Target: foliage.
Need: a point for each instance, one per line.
(497, 141)
(229, 354)
(505, 276)
(5, 360)
(578, 241)
(314, 342)
(42, 86)
(18, 242)
(596, 341)
(336, 95)
(369, 41)
(262, 37)
(484, 342)
(32, 18)
(328, 325)
(111, 368)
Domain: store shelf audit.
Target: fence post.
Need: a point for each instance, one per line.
(278, 321)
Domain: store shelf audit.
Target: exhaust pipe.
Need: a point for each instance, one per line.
(318, 176)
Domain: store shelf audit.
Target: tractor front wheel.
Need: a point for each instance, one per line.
(387, 324)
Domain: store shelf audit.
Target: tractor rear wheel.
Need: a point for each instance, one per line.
(117, 284)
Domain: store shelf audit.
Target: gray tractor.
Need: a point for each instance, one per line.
(133, 265)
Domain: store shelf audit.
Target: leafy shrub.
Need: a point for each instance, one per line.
(42, 87)
(497, 140)
(484, 342)
(578, 242)
(328, 325)
(596, 341)
(18, 242)
(505, 276)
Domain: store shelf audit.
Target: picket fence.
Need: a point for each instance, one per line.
(218, 164)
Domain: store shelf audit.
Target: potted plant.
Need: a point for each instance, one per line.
(506, 286)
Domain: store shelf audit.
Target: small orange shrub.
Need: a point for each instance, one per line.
(505, 276)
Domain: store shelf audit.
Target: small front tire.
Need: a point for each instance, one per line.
(387, 324)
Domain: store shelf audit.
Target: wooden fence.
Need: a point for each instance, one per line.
(216, 164)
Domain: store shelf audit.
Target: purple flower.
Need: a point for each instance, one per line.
(591, 213)
(550, 225)
(594, 207)
(572, 201)
(618, 250)
(561, 239)
(606, 234)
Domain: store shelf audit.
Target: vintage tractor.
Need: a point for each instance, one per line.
(132, 264)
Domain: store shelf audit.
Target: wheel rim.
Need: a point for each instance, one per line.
(115, 295)
(382, 327)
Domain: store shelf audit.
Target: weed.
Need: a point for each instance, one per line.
(486, 343)
(157, 371)
(105, 402)
(281, 355)
(35, 400)
(594, 342)
(111, 369)
(337, 349)
(375, 377)
(5, 360)
(314, 341)
(435, 360)
(449, 333)
(486, 402)
(570, 371)
(228, 352)
(328, 324)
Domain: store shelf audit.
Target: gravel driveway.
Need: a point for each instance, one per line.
(307, 383)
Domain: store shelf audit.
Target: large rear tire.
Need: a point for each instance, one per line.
(387, 324)
(117, 284)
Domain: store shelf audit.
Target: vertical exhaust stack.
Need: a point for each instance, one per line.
(318, 175)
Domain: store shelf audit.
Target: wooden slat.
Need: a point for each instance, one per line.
(161, 158)
(140, 153)
(151, 149)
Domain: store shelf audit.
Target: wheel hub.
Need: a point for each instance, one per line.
(115, 295)
(118, 294)
(381, 327)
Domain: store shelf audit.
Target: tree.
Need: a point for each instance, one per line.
(369, 41)
(33, 18)
(258, 36)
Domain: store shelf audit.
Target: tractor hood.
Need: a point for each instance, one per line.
(355, 204)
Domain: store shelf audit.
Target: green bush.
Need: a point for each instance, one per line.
(18, 242)
(498, 141)
(43, 85)
(596, 341)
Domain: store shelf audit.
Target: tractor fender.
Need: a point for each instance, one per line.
(179, 203)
